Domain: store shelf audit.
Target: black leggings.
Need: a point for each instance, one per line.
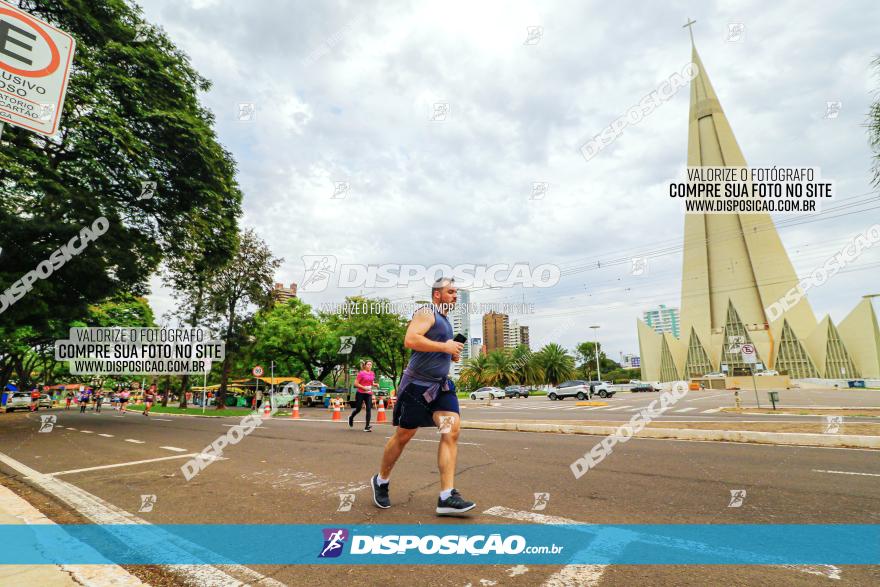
(367, 400)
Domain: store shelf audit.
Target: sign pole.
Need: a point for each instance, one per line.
(755, 385)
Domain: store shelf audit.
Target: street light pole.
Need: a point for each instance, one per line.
(598, 370)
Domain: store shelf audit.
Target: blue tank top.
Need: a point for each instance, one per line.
(434, 364)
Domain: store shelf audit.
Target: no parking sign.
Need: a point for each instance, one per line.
(35, 60)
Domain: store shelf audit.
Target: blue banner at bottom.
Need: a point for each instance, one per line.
(276, 544)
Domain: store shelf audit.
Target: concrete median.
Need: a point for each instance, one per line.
(777, 438)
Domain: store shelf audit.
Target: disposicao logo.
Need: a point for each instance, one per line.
(334, 541)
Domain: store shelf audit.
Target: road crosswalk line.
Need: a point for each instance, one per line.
(684, 410)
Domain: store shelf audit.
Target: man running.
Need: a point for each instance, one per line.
(427, 398)
(364, 384)
(149, 398)
(67, 399)
(99, 399)
(35, 399)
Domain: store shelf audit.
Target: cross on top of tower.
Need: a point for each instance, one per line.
(688, 26)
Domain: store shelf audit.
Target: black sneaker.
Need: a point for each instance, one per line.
(454, 504)
(351, 421)
(380, 493)
(368, 429)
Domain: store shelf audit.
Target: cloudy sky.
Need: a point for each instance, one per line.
(345, 92)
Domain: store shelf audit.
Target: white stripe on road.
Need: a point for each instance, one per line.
(173, 448)
(117, 465)
(162, 419)
(569, 575)
(106, 435)
(86, 431)
(683, 410)
(69, 428)
(134, 441)
(596, 408)
(590, 575)
(105, 513)
(712, 411)
(617, 408)
(847, 473)
(427, 440)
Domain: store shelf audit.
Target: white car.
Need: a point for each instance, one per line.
(715, 375)
(18, 400)
(488, 393)
(767, 373)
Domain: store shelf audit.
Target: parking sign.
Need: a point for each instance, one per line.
(748, 353)
(35, 59)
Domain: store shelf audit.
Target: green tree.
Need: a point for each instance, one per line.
(527, 365)
(131, 115)
(379, 335)
(296, 339)
(585, 355)
(474, 372)
(245, 281)
(501, 371)
(557, 364)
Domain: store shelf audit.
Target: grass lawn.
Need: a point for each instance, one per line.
(209, 411)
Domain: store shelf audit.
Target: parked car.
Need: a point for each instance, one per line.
(19, 400)
(516, 391)
(714, 375)
(45, 401)
(645, 385)
(767, 373)
(488, 393)
(641, 386)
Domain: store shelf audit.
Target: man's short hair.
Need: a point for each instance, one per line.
(441, 283)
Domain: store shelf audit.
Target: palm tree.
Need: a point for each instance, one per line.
(528, 366)
(501, 371)
(558, 365)
(473, 371)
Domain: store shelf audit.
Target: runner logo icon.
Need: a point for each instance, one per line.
(334, 541)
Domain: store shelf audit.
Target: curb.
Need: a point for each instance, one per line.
(776, 438)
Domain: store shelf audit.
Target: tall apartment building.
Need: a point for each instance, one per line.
(663, 319)
(495, 327)
(282, 294)
(524, 336)
(461, 324)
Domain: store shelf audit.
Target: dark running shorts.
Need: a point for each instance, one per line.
(412, 411)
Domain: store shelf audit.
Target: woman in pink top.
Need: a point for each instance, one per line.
(364, 385)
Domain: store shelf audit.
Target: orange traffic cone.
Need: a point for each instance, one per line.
(294, 415)
(337, 415)
(266, 412)
(380, 416)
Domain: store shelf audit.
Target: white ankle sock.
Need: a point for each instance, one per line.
(445, 493)
(381, 481)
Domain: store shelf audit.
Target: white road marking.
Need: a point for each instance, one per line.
(595, 408)
(614, 409)
(712, 411)
(69, 428)
(86, 431)
(683, 410)
(134, 441)
(569, 575)
(117, 465)
(589, 575)
(106, 435)
(162, 419)
(427, 440)
(173, 448)
(846, 473)
(105, 513)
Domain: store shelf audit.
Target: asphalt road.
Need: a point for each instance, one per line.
(293, 472)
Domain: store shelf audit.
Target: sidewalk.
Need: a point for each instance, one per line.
(15, 510)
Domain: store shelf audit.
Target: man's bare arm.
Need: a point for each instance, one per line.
(416, 340)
